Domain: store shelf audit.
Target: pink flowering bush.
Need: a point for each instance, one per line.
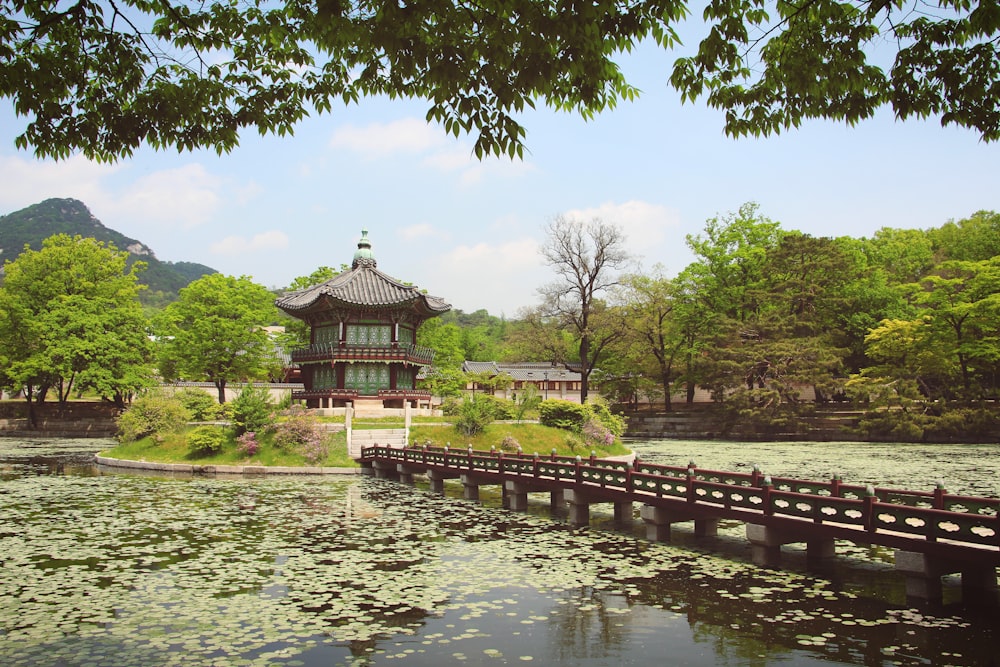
(247, 444)
(300, 433)
(597, 434)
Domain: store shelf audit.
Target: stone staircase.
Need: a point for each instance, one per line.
(386, 437)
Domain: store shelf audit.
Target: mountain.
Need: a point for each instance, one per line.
(32, 225)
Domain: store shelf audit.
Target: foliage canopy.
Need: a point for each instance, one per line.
(103, 78)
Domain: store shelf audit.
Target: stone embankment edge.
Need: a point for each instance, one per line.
(244, 471)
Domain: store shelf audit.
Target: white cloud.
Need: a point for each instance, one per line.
(185, 196)
(510, 256)
(436, 149)
(422, 230)
(503, 277)
(239, 245)
(27, 182)
(189, 196)
(407, 135)
(645, 224)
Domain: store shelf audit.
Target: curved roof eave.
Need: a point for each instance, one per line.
(364, 286)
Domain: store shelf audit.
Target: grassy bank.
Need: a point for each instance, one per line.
(174, 448)
(532, 438)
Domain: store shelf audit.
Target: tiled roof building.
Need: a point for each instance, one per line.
(363, 343)
(551, 380)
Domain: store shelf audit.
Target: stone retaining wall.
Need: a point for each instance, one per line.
(220, 470)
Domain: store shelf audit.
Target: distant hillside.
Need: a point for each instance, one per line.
(32, 225)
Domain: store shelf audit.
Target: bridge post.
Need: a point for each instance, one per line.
(765, 544)
(923, 578)
(623, 512)
(517, 495)
(923, 575)
(384, 469)
(556, 500)
(706, 527)
(470, 487)
(820, 550)
(405, 473)
(579, 507)
(437, 481)
(657, 520)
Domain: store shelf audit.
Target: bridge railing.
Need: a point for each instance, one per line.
(933, 516)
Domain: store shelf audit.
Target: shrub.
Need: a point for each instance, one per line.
(251, 409)
(474, 416)
(151, 415)
(500, 408)
(509, 444)
(300, 433)
(206, 440)
(563, 414)
(595, 434)
(247, 444)
(612, 422)
(200, 405)
(594, 422)
(451, 406)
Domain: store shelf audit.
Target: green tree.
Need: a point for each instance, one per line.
(973, 239)
(70, 319)
(297, 332)
(535, 336)
(951, 347)
(215, 332)
(960, 306)
(445, 339)
(652, 334)
(104, 78)
(729, 256)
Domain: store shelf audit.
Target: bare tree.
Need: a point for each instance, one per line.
(585, 257)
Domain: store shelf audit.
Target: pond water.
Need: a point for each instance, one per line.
(101, 569)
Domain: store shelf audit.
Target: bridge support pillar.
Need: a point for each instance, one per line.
(470, 487)
(579, 507)
(657, 520)
(623, 512)
(437, 481)
(923, 578)
(706, 527)
(818, 551)
(384, 469)
(517, 495)
(556, 500)
(405, 473)
(765, 544)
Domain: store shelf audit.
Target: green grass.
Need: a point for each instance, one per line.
(532, 438)
(173, 448)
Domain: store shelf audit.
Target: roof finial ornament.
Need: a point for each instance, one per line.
(364, 255)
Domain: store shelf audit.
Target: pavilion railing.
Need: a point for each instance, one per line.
(345, 352)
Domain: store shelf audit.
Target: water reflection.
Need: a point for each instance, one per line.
(123, 570)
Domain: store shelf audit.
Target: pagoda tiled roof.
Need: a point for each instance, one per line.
(362, 286)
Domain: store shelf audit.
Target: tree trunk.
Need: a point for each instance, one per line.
(665, 379)
(584, 367)
(32, 422)
(221, 386)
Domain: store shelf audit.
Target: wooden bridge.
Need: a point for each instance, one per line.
(934, 533)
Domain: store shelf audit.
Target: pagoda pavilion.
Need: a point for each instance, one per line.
(363, 335)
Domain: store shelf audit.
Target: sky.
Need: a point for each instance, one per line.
(469, 231)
